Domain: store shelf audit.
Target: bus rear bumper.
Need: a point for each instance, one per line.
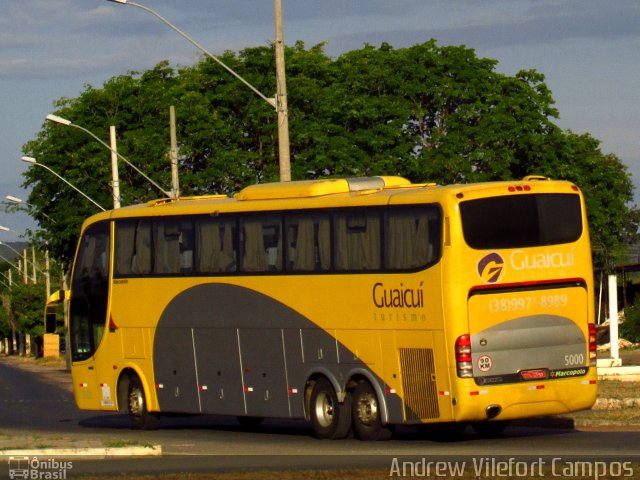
(524, 400)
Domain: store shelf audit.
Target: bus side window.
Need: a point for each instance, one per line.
(141, 261)
(262, 244)
(124, 247)
(407, 239)
(309, 243)
(186, 246)
(133, 247)
(166, 234)
(214, 245)
(357, 240)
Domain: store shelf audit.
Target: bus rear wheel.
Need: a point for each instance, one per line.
(141, 418)
(330, 418)
(367, 420)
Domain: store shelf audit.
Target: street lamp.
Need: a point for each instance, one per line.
(19, 201)
(7, 229)
(32, 161)
(69, 123)
(279, 103)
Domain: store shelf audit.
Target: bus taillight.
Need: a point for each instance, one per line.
(593, 347)
(463, 356)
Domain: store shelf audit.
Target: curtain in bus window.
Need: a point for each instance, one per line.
(207, 246)
(254, 255)
(407, 240)
(125, 235)
(357, 241)
(424, 247)
(310, 239)
(304, 252)
(214, 246)
(324, 243)
(167, 247)
(142, 258)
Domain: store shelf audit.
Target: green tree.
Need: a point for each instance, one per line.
(27, 304)
(427, 112)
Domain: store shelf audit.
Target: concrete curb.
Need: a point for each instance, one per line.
(96, 452)
(630, 370)
(625, 374)
(616, 403)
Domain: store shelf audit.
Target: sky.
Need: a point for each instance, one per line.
(589, 51)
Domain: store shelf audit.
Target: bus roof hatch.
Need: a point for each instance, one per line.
(315, 188)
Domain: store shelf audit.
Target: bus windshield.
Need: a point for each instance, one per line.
(516, 221)
(90, 286)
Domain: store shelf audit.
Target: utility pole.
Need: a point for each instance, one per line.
(33, 264)
(25, 267)
(47, 281)
(281, 99)
(173, 153)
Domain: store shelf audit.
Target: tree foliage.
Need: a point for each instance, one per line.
(428, 112)
(22, 299)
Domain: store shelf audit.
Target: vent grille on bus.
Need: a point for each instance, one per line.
(419, 383)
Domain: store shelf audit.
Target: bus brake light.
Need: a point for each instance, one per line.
(464, 366)
(593, 347)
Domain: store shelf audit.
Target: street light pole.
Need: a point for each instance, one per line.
(115, 181)
(33, 161)
(280, 103)
(69, 123)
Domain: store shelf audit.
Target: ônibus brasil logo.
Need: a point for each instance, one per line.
(491, 267)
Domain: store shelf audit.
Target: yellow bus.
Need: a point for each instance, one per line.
(357, 304)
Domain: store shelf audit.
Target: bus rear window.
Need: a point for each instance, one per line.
(521, 221)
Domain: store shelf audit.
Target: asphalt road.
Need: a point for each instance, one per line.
(37, 409)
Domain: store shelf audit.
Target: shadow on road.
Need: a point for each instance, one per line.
(536, 427)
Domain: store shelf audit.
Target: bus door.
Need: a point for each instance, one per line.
(88, 314)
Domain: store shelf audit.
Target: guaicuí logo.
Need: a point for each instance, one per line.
(491, 267)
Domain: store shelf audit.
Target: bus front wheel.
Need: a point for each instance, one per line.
(367, 420)
(141, 418)
(330, 418)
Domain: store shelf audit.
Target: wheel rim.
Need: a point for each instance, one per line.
(325, 410)
(136, 402)
(367, 409)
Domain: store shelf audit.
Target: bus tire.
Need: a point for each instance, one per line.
(330, 419)
(141, 418)
(367, 420)
(490, 429)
